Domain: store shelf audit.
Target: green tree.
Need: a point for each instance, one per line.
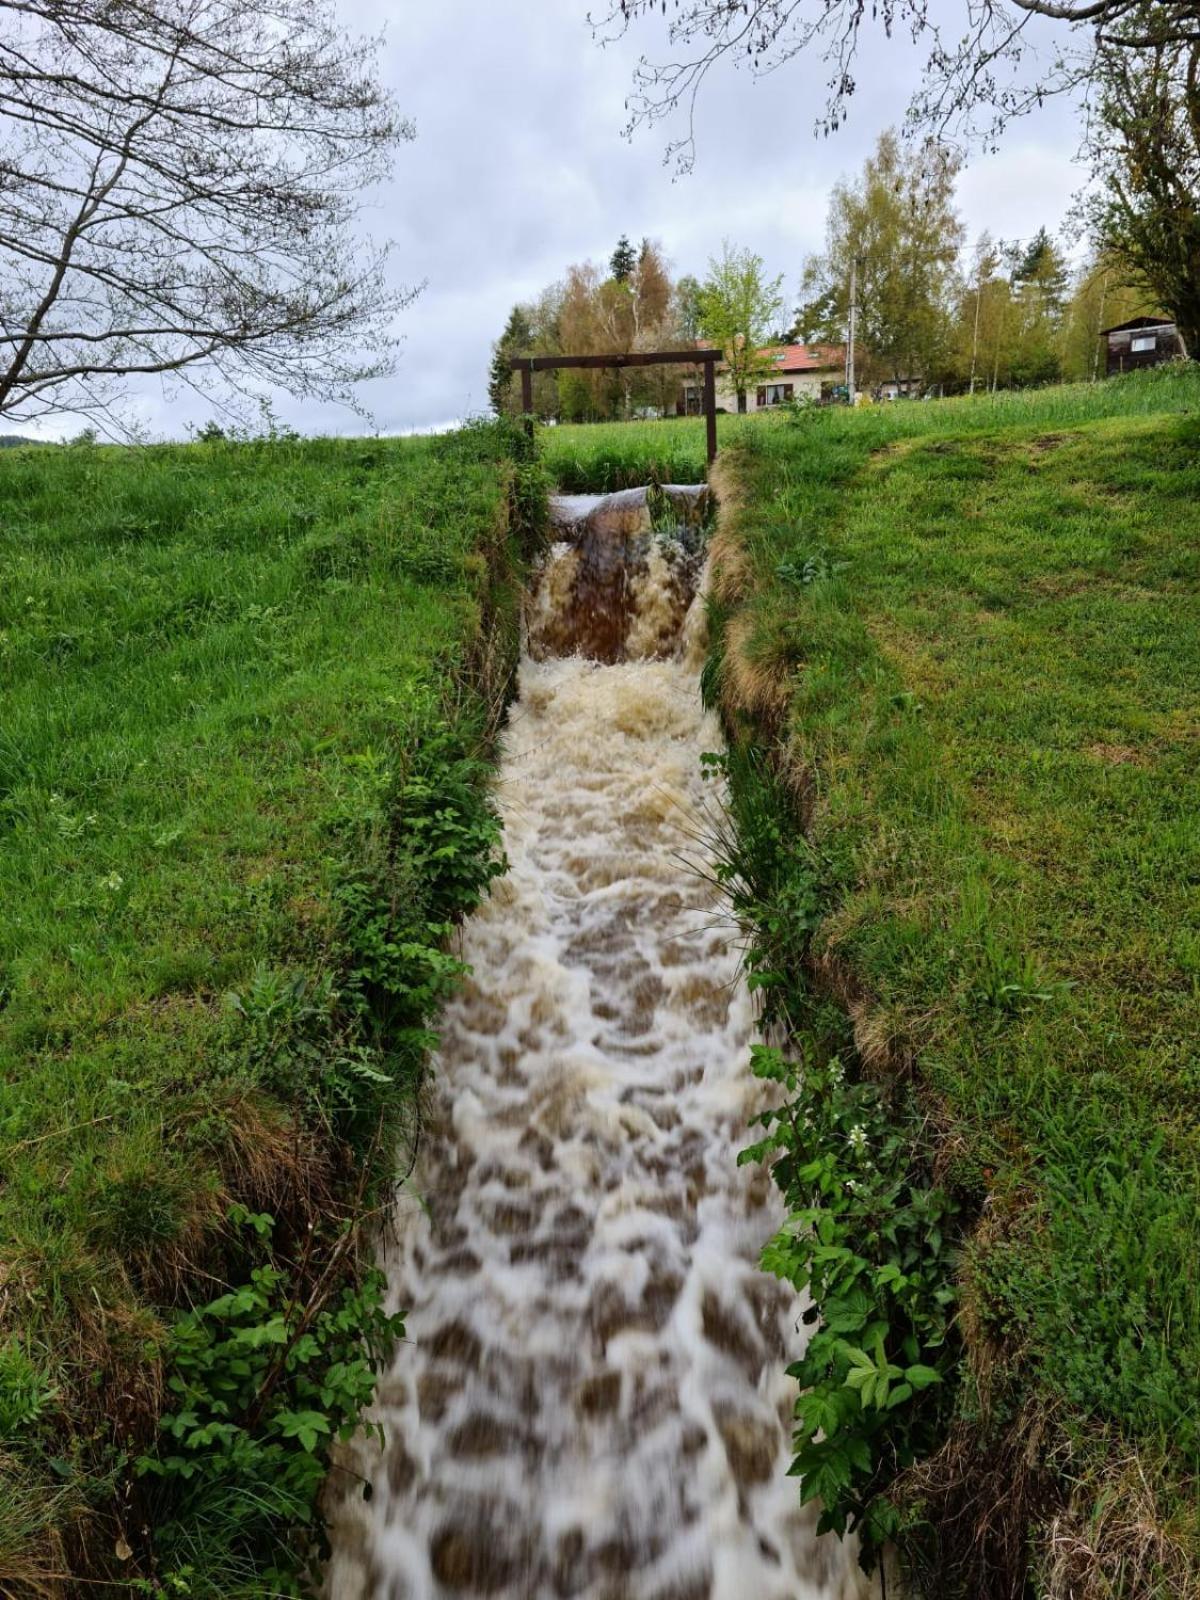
(738, 306)
(1147, 155)
(516, 340)
(898, 224)
(687, 308)
(623, 260)
(1039, 278)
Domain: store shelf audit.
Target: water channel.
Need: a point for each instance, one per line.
(591, 1399)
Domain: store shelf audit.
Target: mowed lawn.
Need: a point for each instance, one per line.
(984, 617)
(216, 664)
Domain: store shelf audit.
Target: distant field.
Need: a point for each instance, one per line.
(969, 632)
(242, 690)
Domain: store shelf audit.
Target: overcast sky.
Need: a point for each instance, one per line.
(519, 168)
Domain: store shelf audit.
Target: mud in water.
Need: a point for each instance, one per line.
(591, 1399)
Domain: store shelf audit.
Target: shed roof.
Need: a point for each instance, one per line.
(1139, 322)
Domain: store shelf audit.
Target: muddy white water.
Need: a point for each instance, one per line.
(591, 1398)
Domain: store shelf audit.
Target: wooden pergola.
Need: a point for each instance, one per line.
(528, 365)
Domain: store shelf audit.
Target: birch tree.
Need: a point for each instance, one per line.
(897, 221)
(738, 307)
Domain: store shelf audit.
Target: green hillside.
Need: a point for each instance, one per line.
(247, 694)
(959, 646)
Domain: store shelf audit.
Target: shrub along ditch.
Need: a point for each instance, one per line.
(250, 691)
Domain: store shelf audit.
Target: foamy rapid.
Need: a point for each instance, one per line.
(591, 1399)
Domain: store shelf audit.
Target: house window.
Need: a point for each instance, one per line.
(1142, 342)
(774, 394)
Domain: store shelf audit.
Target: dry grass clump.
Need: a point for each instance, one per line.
(757, 670)
(973, 1504)
(1110, 1542)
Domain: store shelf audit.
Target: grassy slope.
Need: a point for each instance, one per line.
(984, 619)
(216, 664)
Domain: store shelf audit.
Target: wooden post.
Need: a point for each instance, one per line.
(527, 395)
(710, 410)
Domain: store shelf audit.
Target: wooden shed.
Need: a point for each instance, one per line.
(1140, 342)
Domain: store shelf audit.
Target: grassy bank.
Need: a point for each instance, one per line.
(247, 696)
(959, 647)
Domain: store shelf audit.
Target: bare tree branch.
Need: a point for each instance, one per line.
(974, 85)
(179, 183)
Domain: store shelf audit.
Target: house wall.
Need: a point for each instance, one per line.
(1122, 357)
(805, 385)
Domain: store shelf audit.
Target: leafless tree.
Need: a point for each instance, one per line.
(981, 73)
(178, 186)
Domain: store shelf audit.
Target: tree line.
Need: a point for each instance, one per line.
(632, 303)
(934, 312)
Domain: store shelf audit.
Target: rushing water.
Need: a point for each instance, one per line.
(591, 1399)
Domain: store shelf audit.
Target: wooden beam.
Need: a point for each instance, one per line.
(526, 388)
(632, 358)
(710, 411)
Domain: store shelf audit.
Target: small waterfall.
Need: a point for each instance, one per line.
(591, 1399)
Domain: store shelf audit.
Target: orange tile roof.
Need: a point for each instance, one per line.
(806, 357)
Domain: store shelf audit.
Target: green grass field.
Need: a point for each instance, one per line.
(967, 635)
(244, 689)
(596, 457)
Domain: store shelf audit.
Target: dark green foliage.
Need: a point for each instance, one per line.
(263, 1380)
(623, 260)
(1146, 152)
(875, 1244)
(516, 340)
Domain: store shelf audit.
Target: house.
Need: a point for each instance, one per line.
(796, 371)
(1141, 342)
(898, 389)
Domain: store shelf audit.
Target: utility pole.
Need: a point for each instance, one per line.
(1099, 325)
(975, 336)
(850, 338)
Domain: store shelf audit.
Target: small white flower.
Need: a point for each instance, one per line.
(835, 1071)
(112, 882)
(857, 1137)
(177, 677)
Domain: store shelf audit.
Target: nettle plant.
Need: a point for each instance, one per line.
(262, 1381)
(872, 1243)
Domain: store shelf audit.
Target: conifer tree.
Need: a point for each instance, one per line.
(514, 341)
(623, 260)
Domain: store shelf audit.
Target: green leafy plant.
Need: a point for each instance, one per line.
(872, 1241)
(262, 1380)
(26, 1394)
